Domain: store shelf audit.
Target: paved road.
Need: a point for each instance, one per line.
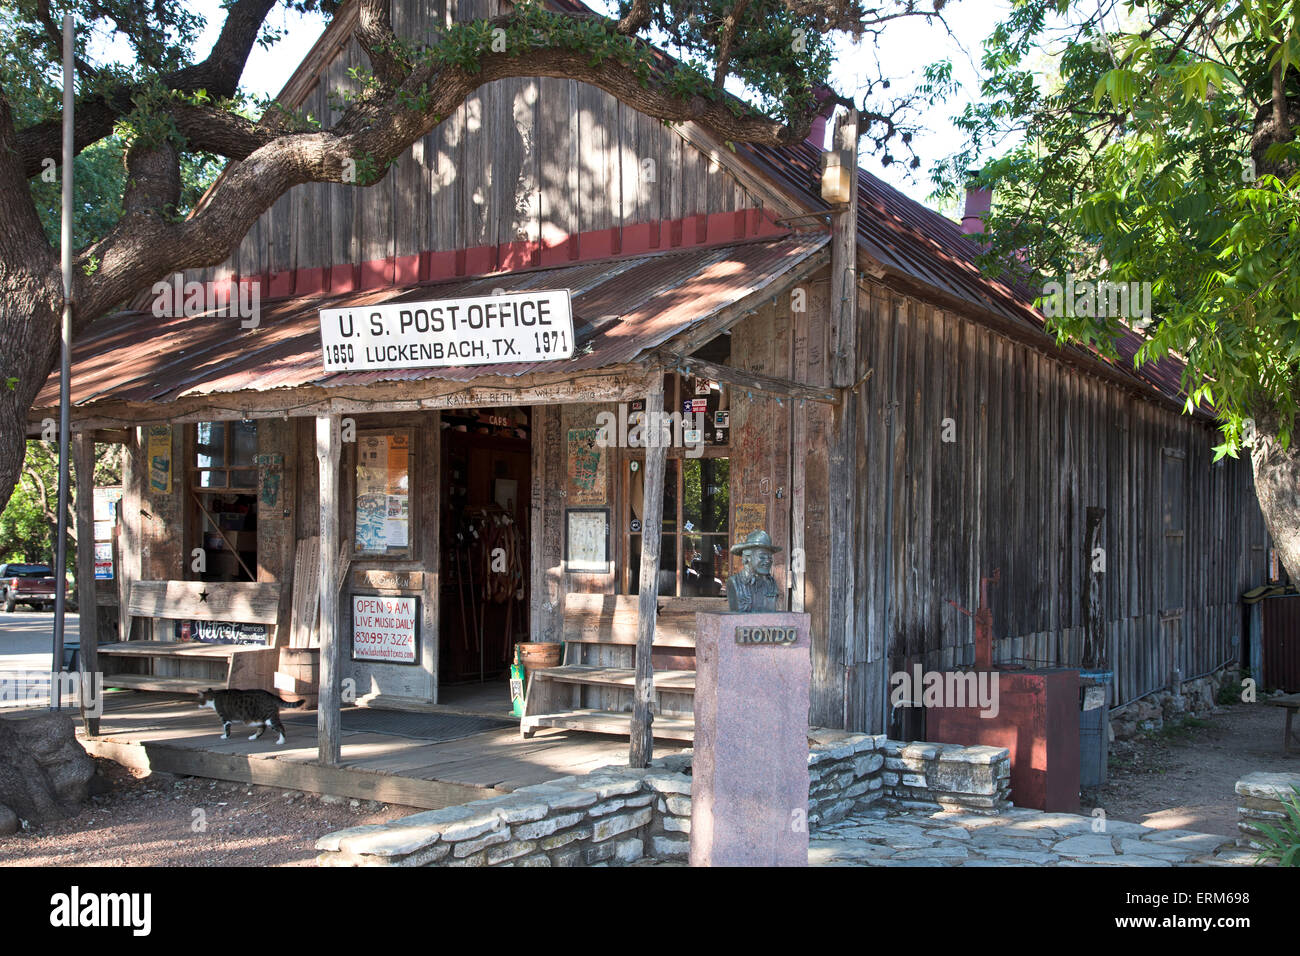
(26, 646)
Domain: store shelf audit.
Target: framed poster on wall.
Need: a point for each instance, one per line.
(586, 539)
(383, 495)
(385, 629)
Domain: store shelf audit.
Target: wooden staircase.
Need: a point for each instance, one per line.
(592, 690)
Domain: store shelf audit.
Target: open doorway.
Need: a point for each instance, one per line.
(223, 496)
(485, 494)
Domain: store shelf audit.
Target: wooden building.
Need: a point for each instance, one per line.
(901, 425)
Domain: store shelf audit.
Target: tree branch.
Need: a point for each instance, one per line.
(374, 33)
(729, 27)
(142, 249)
(218, 74)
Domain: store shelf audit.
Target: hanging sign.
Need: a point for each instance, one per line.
(533, 326)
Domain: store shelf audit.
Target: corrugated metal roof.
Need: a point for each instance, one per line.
(908, 237)
(622, 308)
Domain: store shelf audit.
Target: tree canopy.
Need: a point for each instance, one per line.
(150, 131)
(1154, 143)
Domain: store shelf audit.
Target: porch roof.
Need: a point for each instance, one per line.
(622, 308)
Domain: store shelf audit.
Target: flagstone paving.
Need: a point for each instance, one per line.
(1017, 837)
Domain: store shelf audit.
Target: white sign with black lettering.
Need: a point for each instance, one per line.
(534, 326)
(383, 629)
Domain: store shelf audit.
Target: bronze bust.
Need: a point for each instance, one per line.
(754, 588)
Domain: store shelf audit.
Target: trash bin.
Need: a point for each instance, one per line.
(1094, 727)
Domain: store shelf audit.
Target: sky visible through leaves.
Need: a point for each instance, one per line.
(907, 46)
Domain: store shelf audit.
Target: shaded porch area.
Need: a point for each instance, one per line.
(454, 761)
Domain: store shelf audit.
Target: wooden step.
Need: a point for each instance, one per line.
(677, 682)
(170, 685)
(665, 726)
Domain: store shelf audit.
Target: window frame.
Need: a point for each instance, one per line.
(673, 392)
(408, 553)
(197, 470)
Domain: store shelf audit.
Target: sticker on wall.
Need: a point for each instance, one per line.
(159, 451)
(703, 386)
(749, 517)
(587, 464)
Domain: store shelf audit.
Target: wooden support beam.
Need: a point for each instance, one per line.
(329, 443)
(130, 526)
(1094, 612)
(751, 380)
(83, 451)
(652, 507)
(842, 637)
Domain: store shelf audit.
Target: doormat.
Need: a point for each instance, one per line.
(431, 727)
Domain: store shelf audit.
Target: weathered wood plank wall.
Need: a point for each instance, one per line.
(522, 159)
(997, 450)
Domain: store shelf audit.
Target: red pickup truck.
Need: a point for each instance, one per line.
(30, 584)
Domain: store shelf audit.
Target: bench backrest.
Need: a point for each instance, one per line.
(242, 602)
(612, 619)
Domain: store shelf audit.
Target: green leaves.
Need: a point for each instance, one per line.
(1138, 163)
(1120, 86)
(1282, 841)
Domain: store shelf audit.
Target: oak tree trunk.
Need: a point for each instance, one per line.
(1277, 486)
(29, 314)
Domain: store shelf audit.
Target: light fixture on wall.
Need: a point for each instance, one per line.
(836, 184)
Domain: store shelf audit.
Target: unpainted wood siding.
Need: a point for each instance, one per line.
(992, 451)
(522, 159)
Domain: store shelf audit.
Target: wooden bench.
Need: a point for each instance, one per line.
(593, 687)
(184, 667)
(1292, 703)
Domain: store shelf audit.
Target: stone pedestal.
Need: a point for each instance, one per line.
(749, 791)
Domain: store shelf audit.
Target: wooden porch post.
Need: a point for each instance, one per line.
(87, 606)
(656, 453)
(842, 639)
(328, 447)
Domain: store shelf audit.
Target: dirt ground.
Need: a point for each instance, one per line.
(1180, 777)
(1183, 776)
(142, 819)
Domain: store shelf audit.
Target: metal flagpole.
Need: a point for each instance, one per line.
(65, 372)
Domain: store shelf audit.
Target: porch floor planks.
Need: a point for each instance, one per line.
(555, 755)
(498, 759)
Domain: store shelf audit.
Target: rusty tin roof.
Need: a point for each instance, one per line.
(910, 239)
(622, 308)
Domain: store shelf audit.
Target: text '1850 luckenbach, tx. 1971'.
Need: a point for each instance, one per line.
(766, 635)
(533, 326)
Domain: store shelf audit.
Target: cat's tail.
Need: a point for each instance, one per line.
(296, 703)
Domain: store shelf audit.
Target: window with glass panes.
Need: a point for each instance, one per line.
(225, 455)
(694, 558)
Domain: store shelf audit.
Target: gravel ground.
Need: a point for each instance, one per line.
(158, 819)
(1183, 776)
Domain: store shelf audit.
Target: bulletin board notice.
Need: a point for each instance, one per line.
(383, 501)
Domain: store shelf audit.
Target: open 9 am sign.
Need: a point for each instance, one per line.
(384, 629)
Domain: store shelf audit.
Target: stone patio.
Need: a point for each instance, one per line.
(1016, 837)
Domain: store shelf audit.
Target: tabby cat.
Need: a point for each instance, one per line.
(249, 706)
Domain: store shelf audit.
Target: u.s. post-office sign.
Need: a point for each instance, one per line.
(533, 326)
